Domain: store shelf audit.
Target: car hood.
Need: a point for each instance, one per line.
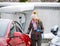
(3, 41)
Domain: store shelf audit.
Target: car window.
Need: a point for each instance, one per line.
(18, 26)
(3, 26)
(14, 28)
(18, 29)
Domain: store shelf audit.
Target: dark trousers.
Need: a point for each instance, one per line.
(36, 41)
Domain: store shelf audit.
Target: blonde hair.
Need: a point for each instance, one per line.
(34, 14)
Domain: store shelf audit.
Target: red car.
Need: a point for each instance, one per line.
(11, 34)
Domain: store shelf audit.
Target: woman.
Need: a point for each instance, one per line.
(37, 29)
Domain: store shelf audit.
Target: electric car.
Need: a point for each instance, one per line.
(11, 34)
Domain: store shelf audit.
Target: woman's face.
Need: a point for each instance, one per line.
(34, 19)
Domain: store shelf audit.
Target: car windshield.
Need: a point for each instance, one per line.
(3, 26)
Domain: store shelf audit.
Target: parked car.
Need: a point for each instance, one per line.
(12, 35)
(56, 40)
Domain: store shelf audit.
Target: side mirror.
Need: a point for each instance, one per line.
(54, 31)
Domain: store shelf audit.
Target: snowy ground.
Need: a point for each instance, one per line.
(44, 44)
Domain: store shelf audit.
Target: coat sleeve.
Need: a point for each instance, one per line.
(29, 28)
(42, 27)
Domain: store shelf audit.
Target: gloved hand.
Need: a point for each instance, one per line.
(29, 35)
(41, 31)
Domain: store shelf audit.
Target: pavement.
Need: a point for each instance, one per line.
(44, 44)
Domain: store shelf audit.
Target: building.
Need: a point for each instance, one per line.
(29, 0)
(9, 0)
(43, 0)
(49, 0)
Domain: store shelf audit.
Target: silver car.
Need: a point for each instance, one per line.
(56, 40)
